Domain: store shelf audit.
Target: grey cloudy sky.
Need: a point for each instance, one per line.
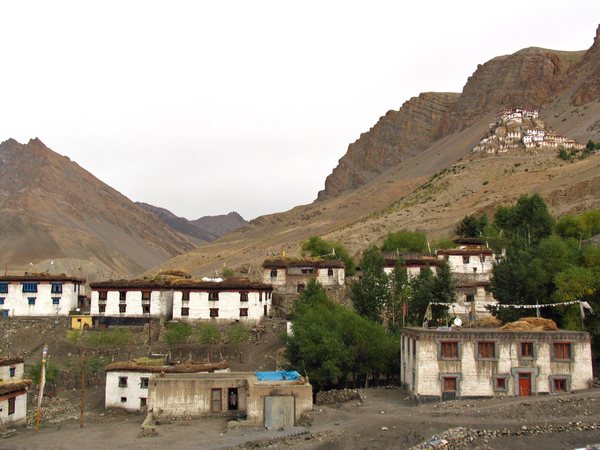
(207, 107)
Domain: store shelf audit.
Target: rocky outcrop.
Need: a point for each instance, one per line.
(396, 136)
(586, 73)
(529, 79)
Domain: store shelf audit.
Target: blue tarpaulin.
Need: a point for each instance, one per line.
(277, 376)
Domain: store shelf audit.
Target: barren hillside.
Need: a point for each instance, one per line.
(380, 184)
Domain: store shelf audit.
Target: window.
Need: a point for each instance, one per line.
(466, 259)
(469, 298)
(29, 287)
(143, 402)
(300, 288)
(12, 371)
(122, 382)
(31, 300)
(260, 296)
(486, 350)
(122, 308)
(414, 347)
(144, 382)
(273, 273)
(213, 296)
(214, 312)
(474, 269)
(122, 296)
(101, 308)
(329, 272)
(55, 300)
(146, 309)
(11, 405)
(243, 296)
(123, 399)
(185, 295)
(560, 385)
(56, 288)
(102, 295)
(308, 271)
(185, 311)
(215, 397)
(146, 295)
(561, 350)
(449, 350)
(449, 384)
(243, 312)
(500, 383)
(4, 288)
(1, 300)
(526, 349)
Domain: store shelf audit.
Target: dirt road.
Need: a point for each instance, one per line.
(384, 419)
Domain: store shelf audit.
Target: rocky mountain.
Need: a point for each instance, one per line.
(59, 217)
(413, 170)
(204, 229)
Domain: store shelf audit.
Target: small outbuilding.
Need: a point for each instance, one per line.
(272, 399)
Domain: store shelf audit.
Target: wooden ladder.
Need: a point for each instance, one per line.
(5, 432)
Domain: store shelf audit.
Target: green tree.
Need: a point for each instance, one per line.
(52, 372)
(227, 272)
(330, 250)
(178, 333)
(526, 223)
(428, 287)
(405, 241)
(370, 293)
(569, 227)
(399, 295)
(471, 226)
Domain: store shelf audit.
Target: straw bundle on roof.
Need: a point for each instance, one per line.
(531, 324)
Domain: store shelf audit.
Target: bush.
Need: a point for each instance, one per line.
(113, 337)
(177, 333)
(52, 372)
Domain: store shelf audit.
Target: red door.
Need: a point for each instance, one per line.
(524, 384)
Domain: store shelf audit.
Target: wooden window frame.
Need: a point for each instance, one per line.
(102, 295)
(144, 382)
(56, 288)
(449, 384)
(185, 296)
(244, 296)
(146, 295)
(185, 311)
(122, 382)
(213, 399)
(243, 312)
(273, 273)
(562, 351)
(449, 350)
(12, 404)
(122, 308)
(486, 349)
(214, 312)
(213, 296)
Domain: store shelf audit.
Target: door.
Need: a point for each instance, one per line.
(4, 313)
(279, 412)
(232, 399)
(524, 385)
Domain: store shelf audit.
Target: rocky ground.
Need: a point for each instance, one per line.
(380, 419)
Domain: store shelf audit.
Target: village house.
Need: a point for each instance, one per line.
(127, 383)
(476, 293)
(131, 302)
(471, 261)
(40, 295)
(439, 365)
(414, 262)
(264, 399)
(13, 392)
(235, 298)
(291, 275)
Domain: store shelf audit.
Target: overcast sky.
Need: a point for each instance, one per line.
(207, 107)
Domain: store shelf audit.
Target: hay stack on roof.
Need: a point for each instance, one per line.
(531, 324)
(14, 386)
(189, 367)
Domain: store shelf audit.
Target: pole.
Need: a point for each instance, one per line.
(149, 330)
(42, 382)
(82, 387)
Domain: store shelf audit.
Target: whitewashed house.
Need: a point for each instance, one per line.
(235, 298)
(478, 293)
(40, 295)
(127, 383)
(131, 302)
(439, 365)
(414, 263)
(13, 391)
(471, 260)
(291, 275)
(12, 369)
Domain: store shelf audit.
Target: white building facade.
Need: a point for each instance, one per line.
(463, 363)
(291, 275)
(40, 295)
(235, 298)
(127, 384)
(131, 299)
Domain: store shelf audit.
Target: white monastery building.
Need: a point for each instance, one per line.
(291, 275)
(439, 365)
(40, 295)
(13, 392)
